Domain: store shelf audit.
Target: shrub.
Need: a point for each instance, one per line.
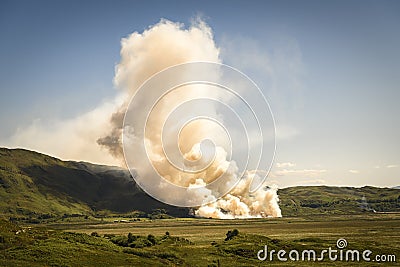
(134, 241)
(152, 239)
(140, 243)
(231, 234)
(95, 234)
(131, 238)
(120, 241)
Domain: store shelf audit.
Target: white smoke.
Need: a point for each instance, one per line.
(145, 54)
(239, 203)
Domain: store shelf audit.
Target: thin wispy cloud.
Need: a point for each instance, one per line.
(303, 172)
(285, 164)
(314, 181)
(392, 166)
(354, 171)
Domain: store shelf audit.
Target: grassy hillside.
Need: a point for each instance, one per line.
(44, 247)
(24, 194)
(307, 200)
(37, 185)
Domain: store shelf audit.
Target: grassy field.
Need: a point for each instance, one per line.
(196, 242)
(200, 230)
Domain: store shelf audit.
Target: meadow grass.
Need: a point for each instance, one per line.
(195, 242)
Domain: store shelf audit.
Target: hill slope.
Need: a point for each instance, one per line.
(306, 200)
(32, 183)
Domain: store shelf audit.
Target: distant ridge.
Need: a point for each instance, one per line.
(308, 200)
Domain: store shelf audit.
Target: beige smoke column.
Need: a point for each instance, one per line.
(143, 55)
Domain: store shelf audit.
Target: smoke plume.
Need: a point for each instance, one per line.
(239, 203)
(145, 54)
(96, 136)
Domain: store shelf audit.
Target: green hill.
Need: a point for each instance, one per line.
(34, 185)
(37, 185)
(307, 200)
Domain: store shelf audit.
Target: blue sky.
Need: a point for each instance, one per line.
(335, 72)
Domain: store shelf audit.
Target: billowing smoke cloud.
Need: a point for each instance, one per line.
(145, 54)
(239, 203)
(112, 141)
(88, 136)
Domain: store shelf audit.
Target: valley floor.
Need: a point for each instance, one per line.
(197, 242)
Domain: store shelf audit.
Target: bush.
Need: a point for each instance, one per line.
(140, 243)
(134, 241)
(95, 234)
(231, 234)
(152, 239)
(120, 241)
(131, 238)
